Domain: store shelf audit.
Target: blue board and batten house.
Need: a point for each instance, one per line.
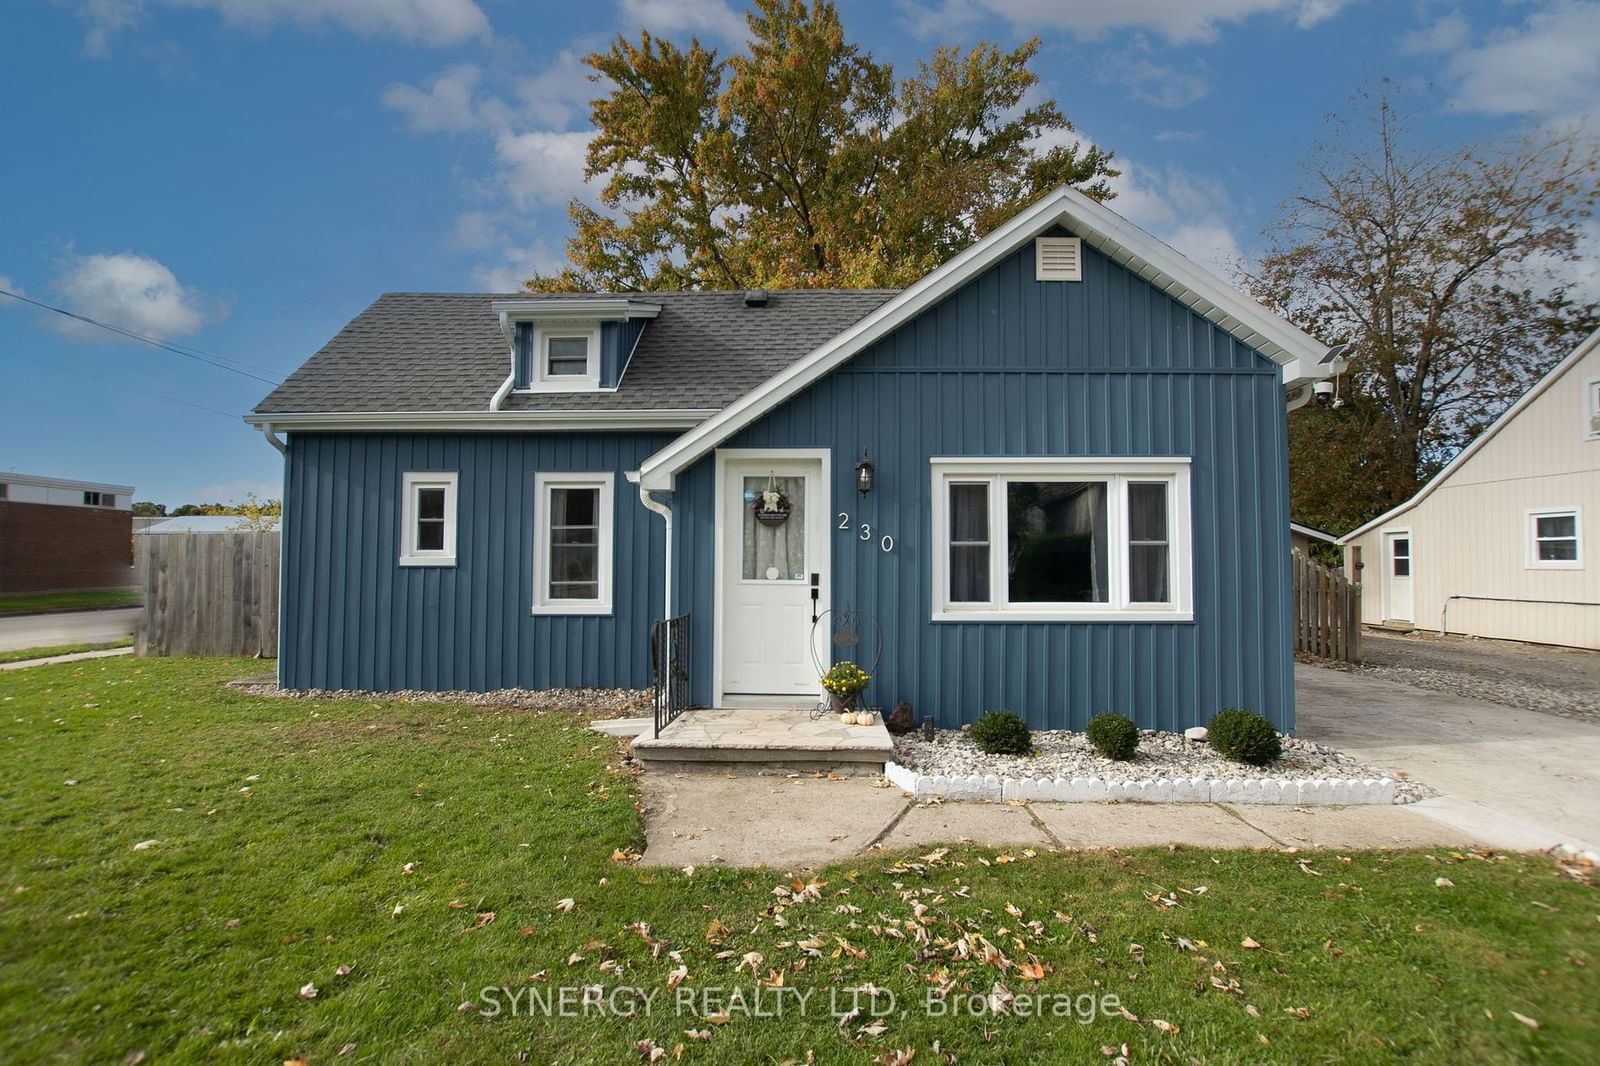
(1075, 441)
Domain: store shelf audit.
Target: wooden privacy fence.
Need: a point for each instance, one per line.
(208, 594)
(1327, 612)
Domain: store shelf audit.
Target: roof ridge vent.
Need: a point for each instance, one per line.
(1058, 258)
(755, 297)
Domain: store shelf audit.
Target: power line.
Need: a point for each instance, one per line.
(154, 342)
(230, 415)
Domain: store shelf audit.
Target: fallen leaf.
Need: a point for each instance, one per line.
(342, 971)
(484, 919)
(1525, 1020)
(345, 1049)
(1443, 882)
(1248, 943)
(1165, 1026)
(566, 904)
(146, 845)
(308, 991)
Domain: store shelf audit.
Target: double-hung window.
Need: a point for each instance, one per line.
(566, 357)
(573, 536)
(428, 518)
(1555, 539)
(1061, 539)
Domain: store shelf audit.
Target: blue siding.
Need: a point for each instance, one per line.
(354, 618)
(616, 347)
(1008, 366)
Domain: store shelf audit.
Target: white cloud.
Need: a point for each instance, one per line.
(1191, 213)
(560, 93)
(129, 290)
(423, 22)
(1176, 20)
(449, 104)
(10, 286)
(515, 265)
(1548, 68)
(542, 168)
(1446, 34)
(1155, 84)
(670, 17)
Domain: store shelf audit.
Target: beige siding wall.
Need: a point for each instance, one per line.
(1469, 537)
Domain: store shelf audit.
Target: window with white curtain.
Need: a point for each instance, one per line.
(1061, 539)
(573, 534)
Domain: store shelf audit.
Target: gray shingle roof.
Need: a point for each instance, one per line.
(445, 352)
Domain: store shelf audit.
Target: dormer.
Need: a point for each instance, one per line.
(571, 344)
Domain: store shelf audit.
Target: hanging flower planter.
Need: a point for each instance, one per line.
(772, 506)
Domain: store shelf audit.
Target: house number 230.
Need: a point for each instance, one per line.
(886, 542)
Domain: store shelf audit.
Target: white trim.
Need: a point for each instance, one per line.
(823, 565)
(1530, 534)
(1118, 472)
(1299, 354)
(569, 308)
(11, 478)
(434, 421)
(410, 482)
(1591, 408)
(539, 378)
(1313, 533)
(1589, 344)
(543, 482)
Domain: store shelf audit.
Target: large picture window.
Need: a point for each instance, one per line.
(572, 543)
(1061, 539)
(428, 519)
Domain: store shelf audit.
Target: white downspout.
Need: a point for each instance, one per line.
(272, 438)
(509, 330)
(503, 391)
(666, 513)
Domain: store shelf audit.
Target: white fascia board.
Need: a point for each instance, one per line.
(1102, 228)
(554, 310)
(1590, 343)
(477, 421)
(1314, 534)
(40, 481)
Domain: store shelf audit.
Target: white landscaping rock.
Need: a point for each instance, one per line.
(1196, 732)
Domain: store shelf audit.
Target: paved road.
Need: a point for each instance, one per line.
(67, 627)
(1514, 778)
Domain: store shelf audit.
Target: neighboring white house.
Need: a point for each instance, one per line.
(202, 523)
(1501, 542)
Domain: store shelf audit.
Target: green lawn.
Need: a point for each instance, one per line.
(56, 601)
(286, 830)
(18, 655)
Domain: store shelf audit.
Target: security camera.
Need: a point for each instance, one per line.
(1323, 391)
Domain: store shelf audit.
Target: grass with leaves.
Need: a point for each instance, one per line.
(193, 874)
(72, 599)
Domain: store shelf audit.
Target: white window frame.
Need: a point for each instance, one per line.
(411, 481)
(1530, 523)
(539, 380)
(1117, 473)
(1591, 409)
(543, 483)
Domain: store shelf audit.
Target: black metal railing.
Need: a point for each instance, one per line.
(669, 662)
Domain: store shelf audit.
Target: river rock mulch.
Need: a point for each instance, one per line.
(598, 702)
(1061, 753)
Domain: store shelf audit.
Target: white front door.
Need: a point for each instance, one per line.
(768, 566)
(1397, 577)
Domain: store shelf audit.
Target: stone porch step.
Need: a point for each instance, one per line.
(723, 740)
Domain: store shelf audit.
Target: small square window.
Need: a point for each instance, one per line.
(1555, 540)
(428, 519)
(567, 357)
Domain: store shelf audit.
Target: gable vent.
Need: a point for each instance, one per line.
(1059, 258)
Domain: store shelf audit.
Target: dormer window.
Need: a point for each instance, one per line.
(569, 355)
(569, 343)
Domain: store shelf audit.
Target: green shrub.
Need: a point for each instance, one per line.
(1114, 735)
(1002, 733)
(1244, 736)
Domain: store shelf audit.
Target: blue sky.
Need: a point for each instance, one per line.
(241, 177)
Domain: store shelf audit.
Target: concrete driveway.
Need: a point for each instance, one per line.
(1513, 778)
(67, 627)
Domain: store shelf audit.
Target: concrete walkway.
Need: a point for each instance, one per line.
(51, 660)
(792, 822)
(1514, 779)
(67, 627)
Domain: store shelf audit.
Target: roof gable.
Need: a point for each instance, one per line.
(1590, 345)
(1149, 259)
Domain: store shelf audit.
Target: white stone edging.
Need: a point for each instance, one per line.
(1324, 791)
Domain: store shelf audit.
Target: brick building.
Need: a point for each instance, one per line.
(58, 534)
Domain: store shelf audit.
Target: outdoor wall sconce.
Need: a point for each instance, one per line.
(864, 474)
